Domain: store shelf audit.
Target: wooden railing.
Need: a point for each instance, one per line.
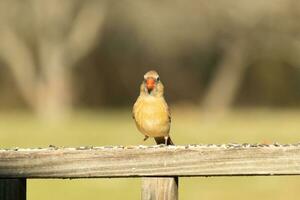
(160, 166)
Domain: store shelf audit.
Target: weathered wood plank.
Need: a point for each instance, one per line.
(13, 189)
(142, 161)
(160, 188)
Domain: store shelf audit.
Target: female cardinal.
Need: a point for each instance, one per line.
(151, 112)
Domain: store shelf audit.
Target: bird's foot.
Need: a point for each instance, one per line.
(146, 137)
(166, 140)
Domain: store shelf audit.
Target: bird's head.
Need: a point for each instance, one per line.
(152, 84)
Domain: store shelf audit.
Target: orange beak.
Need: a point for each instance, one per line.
(150, 84)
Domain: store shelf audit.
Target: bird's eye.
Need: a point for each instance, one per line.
(157, 79)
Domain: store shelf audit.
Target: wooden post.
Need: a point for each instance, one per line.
(162, 188)
(13, 189)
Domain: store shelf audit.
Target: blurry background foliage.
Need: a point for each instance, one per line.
(80, 63)
(59, 55)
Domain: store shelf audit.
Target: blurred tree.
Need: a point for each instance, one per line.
(41, 41)
(220, 53)
(247, 32)
(227, 79)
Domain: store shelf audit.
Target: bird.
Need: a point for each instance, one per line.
(151, 112)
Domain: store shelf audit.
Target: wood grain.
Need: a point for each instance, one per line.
(151, 161)
(160, 188)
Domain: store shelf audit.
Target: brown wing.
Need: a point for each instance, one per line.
(134, 109)
(169, 114)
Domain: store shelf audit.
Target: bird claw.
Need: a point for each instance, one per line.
(166, 140)
(146, 137)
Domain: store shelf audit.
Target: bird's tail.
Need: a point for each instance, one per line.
(161, 140)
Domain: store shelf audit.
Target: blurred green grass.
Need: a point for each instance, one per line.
(116, 127)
